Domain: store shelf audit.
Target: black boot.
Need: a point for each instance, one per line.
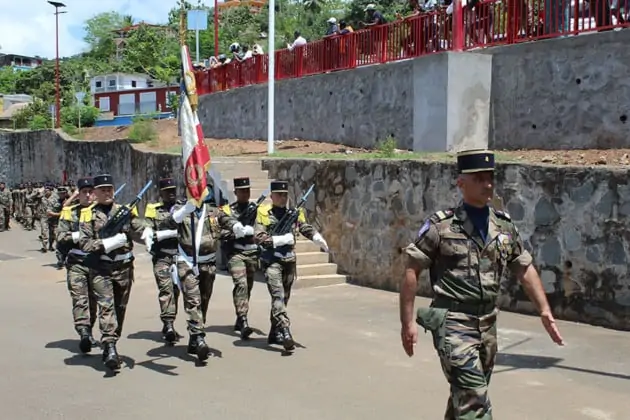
(110, 356)
(246, 330)
(275, 337)
(238, 325)
(197, 345)
(287, 339)
(93, 341)
(169, 333)
(85, 345)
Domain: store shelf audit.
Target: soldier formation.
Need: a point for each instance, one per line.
(466, 249)
(95, 235)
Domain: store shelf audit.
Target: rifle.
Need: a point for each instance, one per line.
(122, 216)
(285, 224)
(248, 217)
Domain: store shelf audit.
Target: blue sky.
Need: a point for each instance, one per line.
(28, 26)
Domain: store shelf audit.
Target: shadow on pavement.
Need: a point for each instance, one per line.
(527, 361)
(92, 359)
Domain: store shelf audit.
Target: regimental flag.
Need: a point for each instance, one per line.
(195, 154)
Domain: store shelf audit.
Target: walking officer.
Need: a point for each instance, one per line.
(78, 275)
(113, 271)
(466, 250)
(242, 255)
(160, 237)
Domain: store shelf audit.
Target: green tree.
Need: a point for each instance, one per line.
(153, 51)
(8, 79)
(100, 35)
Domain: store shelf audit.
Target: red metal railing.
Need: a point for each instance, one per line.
(481, 24)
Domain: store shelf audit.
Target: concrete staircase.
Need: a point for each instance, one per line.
(314, 267)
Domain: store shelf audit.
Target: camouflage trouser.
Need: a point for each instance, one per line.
(197, 293)
(29, 216)
(43, 231)
(467, 353)
(4, 222)
(242, 268)
(168, 293)
(280, 277)
(7, 218)
(112, 288)
(83, 299)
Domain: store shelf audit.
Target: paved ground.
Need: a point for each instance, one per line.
(351, 365)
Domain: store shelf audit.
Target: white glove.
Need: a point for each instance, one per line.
(75, 237)
(249, 231)
(286, 239)
(147, 237)
(115, 242)
(180, 213)
(166, 234)
(319, 240)
(239, 230)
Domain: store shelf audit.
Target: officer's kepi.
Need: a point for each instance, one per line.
(471, 161)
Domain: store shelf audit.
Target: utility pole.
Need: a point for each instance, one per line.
(57, 5)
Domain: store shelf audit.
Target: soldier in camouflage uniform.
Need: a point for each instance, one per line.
(6, 207)
(160, 237)
(467, 249)
(78, 275)
(278, 260)
(196, 273)
(45, 215)
(242, 256)
(54, 205)
(113, 274)
(33, 199)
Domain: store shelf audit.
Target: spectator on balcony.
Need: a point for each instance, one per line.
(344, 28)
(235, 49)
(374, 17)
(257, 50)
(557, 16)
(298, 41)
(332, 27)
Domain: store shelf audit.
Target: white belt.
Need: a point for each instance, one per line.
(77, 252)
(183, 257)
(117, 258)
(289, 254)
(245, 247)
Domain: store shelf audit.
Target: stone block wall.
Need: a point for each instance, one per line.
(575, 221)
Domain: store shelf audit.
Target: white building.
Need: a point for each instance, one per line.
(119, 81)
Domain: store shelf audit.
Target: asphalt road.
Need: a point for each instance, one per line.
(350, 364)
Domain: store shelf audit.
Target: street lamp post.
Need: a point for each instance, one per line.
(57, 5)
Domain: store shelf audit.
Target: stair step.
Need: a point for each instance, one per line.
(308, 258)
(305, 246)
(303, 282)
(316, 269)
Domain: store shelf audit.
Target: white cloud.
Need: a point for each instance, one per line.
(28, 26)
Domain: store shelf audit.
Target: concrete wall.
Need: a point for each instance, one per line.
(575, 221)
(44, 155)
(562, 93)
(553, 94)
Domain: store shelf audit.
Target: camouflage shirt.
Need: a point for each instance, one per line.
(92, 220)
(52, 204)
(462, 267)
(6, 199)
(212, 223)
(246, 245)
(268, 216)
(68, 224)
(158, 217)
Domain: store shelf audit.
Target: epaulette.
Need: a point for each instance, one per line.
(503, 215)
(150, 212)
(441, 215)
(264, 208)
(155, 205)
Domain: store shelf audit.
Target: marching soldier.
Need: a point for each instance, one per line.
(33, 199)
(160, 237)
(196, 273)
(113, 273)
(467, 249)
(46, 213)
(278, 260)
(242, 256)
(78, 275)
(6, 206)
(54, 206)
